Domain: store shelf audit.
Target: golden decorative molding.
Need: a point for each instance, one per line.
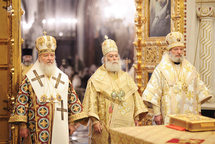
(149, 50)
(205, 11)
(139, 20)
(15, 57)
(10, 65)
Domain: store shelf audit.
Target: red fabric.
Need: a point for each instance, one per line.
(111, 109)
(174, 140)
(176, 127)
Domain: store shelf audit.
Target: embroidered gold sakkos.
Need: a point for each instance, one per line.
(113, 112)
(179, 93)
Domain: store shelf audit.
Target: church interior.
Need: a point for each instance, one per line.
(80, 26)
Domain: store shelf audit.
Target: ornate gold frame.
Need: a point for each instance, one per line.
(149, 50)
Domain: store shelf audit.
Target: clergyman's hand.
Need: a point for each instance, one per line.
(71, 129)
(97, 127)
(158, 120)
(23, 132)
(136, 122)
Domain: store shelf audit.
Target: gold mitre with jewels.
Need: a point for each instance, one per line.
(45, 44)
(174, 39)
(108, 45)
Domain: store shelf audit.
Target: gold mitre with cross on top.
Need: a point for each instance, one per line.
(45, 44)
(108, 45)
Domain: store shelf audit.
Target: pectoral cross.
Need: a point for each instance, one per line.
(62, 110)
(38, 78)
(58, 80)
(127, 61)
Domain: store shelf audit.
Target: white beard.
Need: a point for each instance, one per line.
(48, 70)
(112, 67)
(176, 59)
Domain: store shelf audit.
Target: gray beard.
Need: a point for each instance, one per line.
(175, 59)
(112, 67)
(27, 63)
(48, 70)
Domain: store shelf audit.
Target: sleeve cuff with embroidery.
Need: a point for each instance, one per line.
(156, 110)
(94, 120)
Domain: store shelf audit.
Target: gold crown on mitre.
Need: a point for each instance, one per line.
(45, 44)
(108, 45)
(174, 39)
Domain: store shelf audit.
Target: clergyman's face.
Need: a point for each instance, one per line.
(112, 56)
(177, 54)
(112, 61)
(47, 63)
(27, 59)
(47, 58)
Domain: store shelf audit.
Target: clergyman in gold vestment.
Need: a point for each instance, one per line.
(175, 86)
(111, 98)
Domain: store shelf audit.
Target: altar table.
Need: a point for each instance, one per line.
(156, 135)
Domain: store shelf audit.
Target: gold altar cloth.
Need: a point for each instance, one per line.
(156, 135)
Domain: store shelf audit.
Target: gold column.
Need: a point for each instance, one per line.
(10, 65)
(15, 58)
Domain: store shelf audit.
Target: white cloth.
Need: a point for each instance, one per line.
(60, 130)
